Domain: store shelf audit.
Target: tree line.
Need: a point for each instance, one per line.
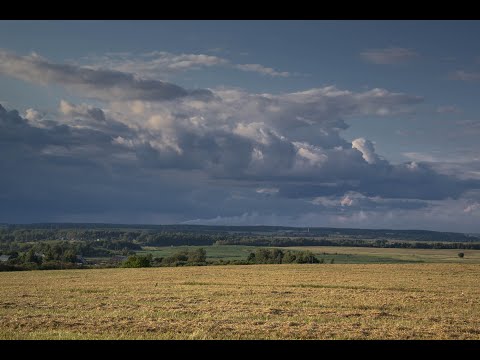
(12, 240)
(379, 243)
(206, 235)
(189, 257)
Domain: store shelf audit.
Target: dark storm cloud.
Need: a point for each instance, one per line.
(404, 181)
(94, 83)
(47, 172)
(105, 165)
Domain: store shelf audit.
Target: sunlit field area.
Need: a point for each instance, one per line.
(339, 254)
(304, 301)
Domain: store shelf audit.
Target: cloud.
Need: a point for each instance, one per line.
(465, 75)
(267, 191)
(161, 63)
(92, 83)
(245, 219)
(310, 155)
(82, 110)
(84, 116)
(286, 135)
(461, 164)
(153, 64)
(472, 207)
(462, 170)
(391, 55)
(367, 149)
(348, 200)
(126, 178)
(119, 140)
(124, 78)
(242, 136)
(354, 201)
(63, 170)
(450, 109)
(262, 70)
(417, 156)
(259, 157)
(469, 125)
(460, 155)
(403, 181)
(33, 115)
(189, 61)
(444, 215)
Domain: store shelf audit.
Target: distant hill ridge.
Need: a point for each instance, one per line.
(425, 235)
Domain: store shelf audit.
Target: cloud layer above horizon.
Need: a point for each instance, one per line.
(140, 149)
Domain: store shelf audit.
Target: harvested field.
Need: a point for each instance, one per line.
(319, 301)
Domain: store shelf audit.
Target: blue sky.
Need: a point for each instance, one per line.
(308, 123)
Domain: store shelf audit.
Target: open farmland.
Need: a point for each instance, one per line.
(322, 301)
(360, 255)
(340, 254)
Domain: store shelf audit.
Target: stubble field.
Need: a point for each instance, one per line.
(308, 301)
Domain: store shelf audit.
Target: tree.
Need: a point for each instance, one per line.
(30, 257)
(306, 257)
(69, 256)
(262, 256)
(277, 256)
(289, 257)
(49, 255)
(251, 257)
(197, 256)
(180, 256)
(138, 261)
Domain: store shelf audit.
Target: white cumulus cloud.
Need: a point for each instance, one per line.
(367, 149)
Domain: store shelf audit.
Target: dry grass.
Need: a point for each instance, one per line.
(390, 301)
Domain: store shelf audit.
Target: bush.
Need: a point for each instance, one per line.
(277, 256)
(181, 256)
(138, 261)
(461, 255)
(306, 257)
(31, 257)
(268, 256)
(57, 265)
(179, 263)
(69, 256)
(184, 257)
(289, 257)
(157, 260)
(8, 267)
(197, 256)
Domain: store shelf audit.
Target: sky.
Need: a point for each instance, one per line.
(362, 124)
